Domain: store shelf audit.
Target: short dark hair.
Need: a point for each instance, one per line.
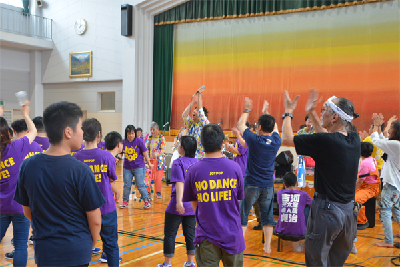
(212, 137)
(267, 123)
(290, 179)
(396, 128)
(306, 118)
(19, 126)
(302, 126)
(128, 129)
(91, 128)
(204, 110)
(11, 132)
(38, 121)
(139, 129)
(189, 144)
(366, 149)
(112, 140)
(59, 116)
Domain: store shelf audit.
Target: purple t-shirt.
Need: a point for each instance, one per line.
(43, 142)
(133, 152)
(34, 149)
(74, 151)
(291, 212)
(102, 164)
(178, 170)
(241, 159)
(217, 186)
(11, 160)
(102, 145)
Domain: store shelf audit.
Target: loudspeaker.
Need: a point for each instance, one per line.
(39, 3)
(126, 20)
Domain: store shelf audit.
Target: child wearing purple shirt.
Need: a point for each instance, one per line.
(214, 186)
(240, 149)
(41, 137)
(103, 166)
(12, 155)
(293, 208)
(177, 211)
(20, 129)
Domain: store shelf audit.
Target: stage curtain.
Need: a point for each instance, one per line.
(200, 10)
(162, 73)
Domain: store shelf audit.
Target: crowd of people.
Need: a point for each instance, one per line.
(66, 191)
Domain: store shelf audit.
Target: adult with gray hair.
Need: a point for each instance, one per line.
(332, 223)
(155, 143)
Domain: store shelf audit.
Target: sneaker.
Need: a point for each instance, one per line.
(30, 241)
(189, 264)
(147, 205)
(362, 226)
(103, 258)
(10, 255)
(123, 205)
(258, 227)
(354, 250)
(158, 195)
(164, 265)
(96, 250)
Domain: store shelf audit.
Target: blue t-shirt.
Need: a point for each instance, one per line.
(261, 158)
(59, 190)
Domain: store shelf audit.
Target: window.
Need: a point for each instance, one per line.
(107, 101)
(16, 3)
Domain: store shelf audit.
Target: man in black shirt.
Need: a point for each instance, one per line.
(336, 149)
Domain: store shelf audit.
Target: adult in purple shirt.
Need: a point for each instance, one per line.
(73, 151)
(103, 166)
(101, 145)
(41, 137)
(135, 152)
(177, 211)
(20, 129)
(214, 186)
(12, 155)
(240, 149)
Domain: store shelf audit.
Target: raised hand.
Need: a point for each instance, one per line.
(236, 131)
(25, 110)
(248, 103)
(265, 109)
(312, 100)
(290, 105)
(201, 90)
(391, 120)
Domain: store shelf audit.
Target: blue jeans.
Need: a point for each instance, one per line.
(264, 197)
(389, 203)
(109, 236)
(21, 226)
(139, 180)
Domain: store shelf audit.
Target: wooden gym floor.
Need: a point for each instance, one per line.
(136, 224)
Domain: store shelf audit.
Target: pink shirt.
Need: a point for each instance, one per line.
(368, 165)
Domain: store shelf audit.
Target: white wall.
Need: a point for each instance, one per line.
(103, 37)
(86, 95)
(14, 75)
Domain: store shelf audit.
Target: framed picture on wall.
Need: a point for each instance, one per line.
(80, 64)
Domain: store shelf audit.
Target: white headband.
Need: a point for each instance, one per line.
(338, 110)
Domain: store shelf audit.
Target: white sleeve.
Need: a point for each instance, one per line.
(390, 147)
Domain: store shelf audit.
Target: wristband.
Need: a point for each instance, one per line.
(286, 115)
(246, 110)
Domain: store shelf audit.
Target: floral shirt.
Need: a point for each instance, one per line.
(154, 145)
(195, 130)
(304, 131)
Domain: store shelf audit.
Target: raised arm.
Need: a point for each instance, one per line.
(188, 108)
(389, 124)
(241, 125)
(31, 126)
(287, 131)
(312, 114)
(199, 99)
(236, 132)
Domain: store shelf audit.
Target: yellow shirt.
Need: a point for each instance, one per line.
(376, 153)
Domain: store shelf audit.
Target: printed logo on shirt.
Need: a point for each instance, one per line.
(216, 195)
(30, 154)
(130, 153)
(97, 170)
(269, 141)
(6, 164)
(290, 203)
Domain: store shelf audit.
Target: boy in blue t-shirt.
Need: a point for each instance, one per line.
(59, 194)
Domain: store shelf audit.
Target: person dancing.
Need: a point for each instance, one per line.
(336, 149)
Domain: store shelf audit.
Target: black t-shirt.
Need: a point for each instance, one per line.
(59, 190)
(336, 162)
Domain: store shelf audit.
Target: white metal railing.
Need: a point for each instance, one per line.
(25, 24)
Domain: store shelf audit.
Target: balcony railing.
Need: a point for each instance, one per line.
(25, 24)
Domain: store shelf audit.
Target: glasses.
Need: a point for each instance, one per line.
(323, 110)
